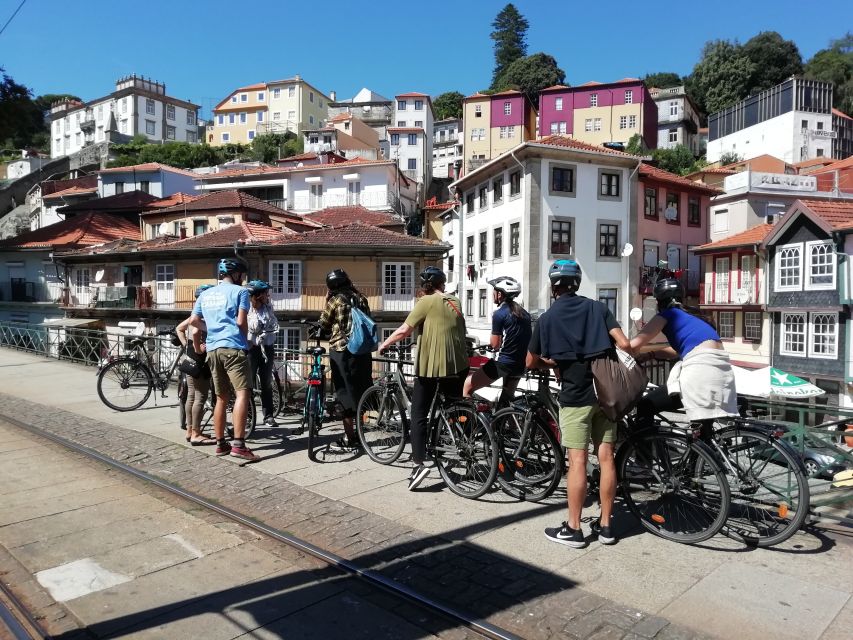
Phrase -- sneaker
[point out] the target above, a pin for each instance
(605, 534)
(566, 535)
(418, 474)
(346, 444)
(223, 449)
(270, 422)
(244, 453)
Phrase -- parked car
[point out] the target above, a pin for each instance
(820, 461)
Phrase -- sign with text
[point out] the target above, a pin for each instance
(782, 181)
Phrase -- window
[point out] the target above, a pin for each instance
(221, 119)
(607, 297)
(651, 199)
(313, 139)
(788, 267)
(82, 280)
(726, 325)
(413, 139)
(609, 185)
(261, 96)
(792, 342)
(231, 118)
(119, 187)
(478, 111)
(291, 115)
(289, 342)
(562, 180)
(507, 108)
(260, 116)
(514, 239)
(149, 106)
(497, 190)
(553, 128)
(199, 227)
(596, 124)
(291, 91)
(721, 220)
(561, 237)
(395, 138)
(226, 137)
(124, 105)
(243, 118)
(419, 105)
(502, 134)
(399, 279)
(401, 123)
(608, 240)
(276, 115)
(721, 280)
(623, 122)
(354, 192)
(819, 153)
(593, 100)
(629, 96)
(150, 127)
(820, 258)
(671, 211)
(694, 217)
(191, 118)
(823, 342)
(482, 304)
(145, 186)
(558, 104)
(285, 278)
(251, 134)
(673, 135)
(418, 123)
(469, 202)
(276, 93)
(170, 132)
(673, 108)
(469, 303)
(498, 243)
(484, 243)
(587, 124)
(484, 197)
(412, 164)
(244, 97)
(752, 326)
(632, 122)
(401, 105)
(747, 274)
(469, 249)
(804, 124)
(100, 112)
(234, 98)
(170, 112)
(311, 97)
(819, 126)
(515, 183)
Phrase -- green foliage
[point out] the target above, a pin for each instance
(294, 146)
(678, 160)
(43, 102)
(835, 65)
(730, 157)
(662, 80)
(636, 146)
(510, 31)
(269, 147)
(20, 119)
(175, 154)
(530, 75)
(448, 105)
(721, 77)
(774, 60)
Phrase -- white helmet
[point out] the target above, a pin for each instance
(506, 285)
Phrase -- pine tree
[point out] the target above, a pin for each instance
(510, 31)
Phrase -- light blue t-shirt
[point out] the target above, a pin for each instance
(218, 307)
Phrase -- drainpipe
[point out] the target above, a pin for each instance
(530, 302)
(633, 213)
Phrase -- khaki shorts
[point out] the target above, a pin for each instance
(229, 366)
(580, 425)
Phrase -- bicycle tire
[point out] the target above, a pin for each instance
(466, 456)
(277, 395)
(312, 397)
(251, 417)
(125, 375)
(673, 486)
(381, 424)
(770, 495)
(529, 471)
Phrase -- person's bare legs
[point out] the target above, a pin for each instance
(477, 380)
(607, 484)
(219, 416)
(576, 486)
(241, 409)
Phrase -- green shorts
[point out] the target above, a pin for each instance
(229, 369)
(580, 425)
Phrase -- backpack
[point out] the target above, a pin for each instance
(364, 335)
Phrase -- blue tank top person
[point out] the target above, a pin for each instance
(685, 332)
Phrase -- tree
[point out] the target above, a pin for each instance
(835, 65)
(721, 77)
(530, 75)
(448, 105)
(636, 146)
(20, 118)
(662, 80)
(678, 160)
(510, 31)
(730, 157)
(774, 60)
(44, 102)
(270, 147)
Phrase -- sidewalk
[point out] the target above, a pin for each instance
(802, 590)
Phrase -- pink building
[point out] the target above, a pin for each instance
(494, 124)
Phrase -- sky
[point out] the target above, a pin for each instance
(204, 50)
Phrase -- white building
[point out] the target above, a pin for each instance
(678, 119)
(159, 180)
(137, 106)
(447, 148)
(375, 110)
(791, 121)
(522, 211)
(411, 147)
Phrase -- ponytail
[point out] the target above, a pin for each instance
(516, 309)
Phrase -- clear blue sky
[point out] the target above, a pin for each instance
(204, 49)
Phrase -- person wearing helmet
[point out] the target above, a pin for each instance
(352, 374)
(197, 388)
(223, 312)
(263, 329)
(442, 361)
(511, 331)
(569, 336)
(703, 377)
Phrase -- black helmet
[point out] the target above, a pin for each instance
(667, 289)
(433, 276)
(337, 279)
(235, 264)
(565, 273)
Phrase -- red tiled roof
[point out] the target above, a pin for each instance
(412, 94)
(591, 83)
(440, 206)
(555, 86)
(87, 229)
(107, 247)
(357, 234)
(834, 166)
(132, 201)
(174, 199)
(230, 199)
(813, 162)
(251, 87)
(246, 232)
(149, 166)
(476, 95)
(508, 92)
(302, 156)
(354, 162)
(752, 236)
(241, 172)
(841, 114)
(405, 129)
(341, 117)
(564, 141)
(648, 171)
(337, 216)
(838, 215)
(71, 191)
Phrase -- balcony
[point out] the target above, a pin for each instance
(20, 290)
(730, 296)
(369, 200)
(276, 126)
(313, 298)
(281, 203)
(475, 163)
(87, 124)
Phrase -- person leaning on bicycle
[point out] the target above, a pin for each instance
(263, 329)
(223, 312)
(572, 333)
(197, 388)
(442, 360)
(511, 331)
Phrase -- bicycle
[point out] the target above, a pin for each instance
(460, 441)
(314, 407)
(210, 403)
(125, 383)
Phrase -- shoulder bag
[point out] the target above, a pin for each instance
(619, 383)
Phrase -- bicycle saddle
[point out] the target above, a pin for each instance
(138, 342)
(316, 351)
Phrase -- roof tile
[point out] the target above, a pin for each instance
(357, 234)
(246, 232)
(229, 199)
(752, 236)
(70, 191)
(338, 216)
(78, 231)
(149, 166)
(655, 173)
(571, 143)
(838, 214)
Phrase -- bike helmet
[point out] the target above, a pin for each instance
(565, 273)
(257, 286)
(228, 266)
(433, 276)
(507, 286)
(667, 289)
(202, 288)
(337, 279)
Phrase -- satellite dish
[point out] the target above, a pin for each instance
(636, 314)
(163, 228)
(99, 275)
(627, 249)
(742, 296)
(670, 213)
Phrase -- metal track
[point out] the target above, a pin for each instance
(17, 619)
(372, 577)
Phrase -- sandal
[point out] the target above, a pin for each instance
(202, 441)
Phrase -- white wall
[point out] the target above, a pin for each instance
(161, 183)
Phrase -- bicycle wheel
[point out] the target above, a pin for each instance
(277, 395)
(770, 491)
(125, 384)
(529, 466)
(674, 486)
(251, 417)
(465, 450)
(313, 419)
(381, 423)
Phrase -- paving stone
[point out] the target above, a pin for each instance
(649, 626)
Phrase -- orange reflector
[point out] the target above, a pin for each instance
(783, 510)
(658, 518)
(463, 419)
(501, 467)
(519, 464)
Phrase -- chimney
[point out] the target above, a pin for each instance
(297, 77)
(333, 95)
